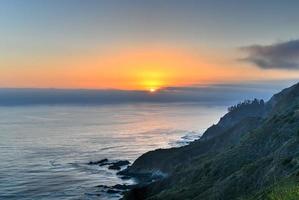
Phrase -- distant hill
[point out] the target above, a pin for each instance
(252, 153)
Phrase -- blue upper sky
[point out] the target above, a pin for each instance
(196, 22)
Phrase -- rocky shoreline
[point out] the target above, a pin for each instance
(142, 178)
(112, 165)
(122, 166)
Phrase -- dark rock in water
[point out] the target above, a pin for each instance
(113, 167)
(123, 187)
(98, 162)
(118, 164)
(111, 191)
(121, 163)
(104, 163)
(103, 186)
(125, 177)
(92, 194)
(118, 188)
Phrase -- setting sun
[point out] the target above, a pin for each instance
(152, 90)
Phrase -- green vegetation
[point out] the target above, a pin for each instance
(286, 190)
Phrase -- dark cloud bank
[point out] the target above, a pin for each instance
(222, 94)
(284, 55)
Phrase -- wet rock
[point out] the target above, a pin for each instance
(91, 194)
(99, 162)
(118, 164)
(125, 177)
(111, 191)
(104, 163)
(103, 186)
(121, 163)
(123, 187)
(113, 167)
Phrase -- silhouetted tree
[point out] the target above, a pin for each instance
(247, 104)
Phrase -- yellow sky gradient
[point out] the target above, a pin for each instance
(140, 68)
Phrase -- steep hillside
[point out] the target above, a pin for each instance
(254, 146)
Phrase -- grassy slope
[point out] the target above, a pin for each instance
(285, 190)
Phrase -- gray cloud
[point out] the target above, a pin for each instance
(284, 55)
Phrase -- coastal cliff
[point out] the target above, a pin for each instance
(252, 149)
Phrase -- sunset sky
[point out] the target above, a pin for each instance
(144, 45)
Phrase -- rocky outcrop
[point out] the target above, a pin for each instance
(113, 165)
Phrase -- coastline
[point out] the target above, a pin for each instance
(139, 180)
(252, 150)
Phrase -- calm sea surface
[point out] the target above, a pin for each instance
(44, 150)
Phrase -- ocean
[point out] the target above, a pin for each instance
(45, 150)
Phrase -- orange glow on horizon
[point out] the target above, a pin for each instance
(142, 68)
